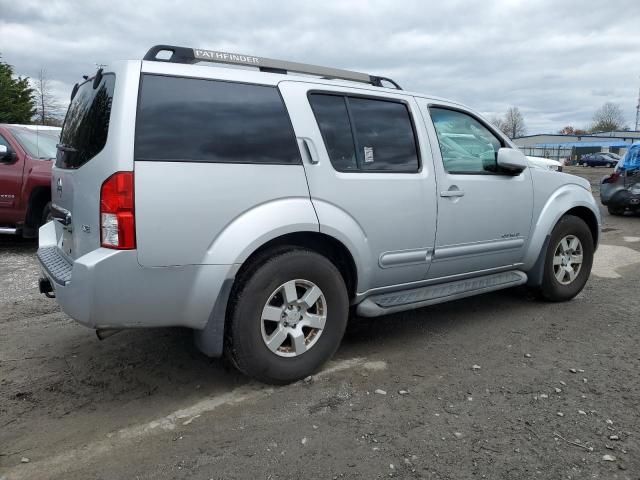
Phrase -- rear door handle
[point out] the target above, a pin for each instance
(309, 150)
(452, 193)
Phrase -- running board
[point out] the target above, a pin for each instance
(8, 231)
(385, 303)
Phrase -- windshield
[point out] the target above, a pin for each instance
(84, 133)
(37, 143)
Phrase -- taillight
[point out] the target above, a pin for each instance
(117, 216)
(613, 178)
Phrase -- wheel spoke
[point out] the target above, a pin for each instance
(560, 274)
(273, 314)
(572, 274)
(290, 293)
(557, 260)
(298, 341)
(311, 297)
(314, 321)
(576, 259)
(277, 338)
(564, 245)
(575, 243)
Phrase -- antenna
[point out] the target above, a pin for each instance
(638, 111)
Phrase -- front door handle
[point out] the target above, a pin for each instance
(452, 192)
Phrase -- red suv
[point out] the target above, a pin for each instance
(26, 154)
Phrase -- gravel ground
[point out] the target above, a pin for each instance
(496, 386)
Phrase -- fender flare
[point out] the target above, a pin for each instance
(563, 200)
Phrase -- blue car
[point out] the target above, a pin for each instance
(598, 160)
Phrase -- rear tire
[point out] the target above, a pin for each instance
(301, 337)
(568, 260)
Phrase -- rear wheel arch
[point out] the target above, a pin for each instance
(321, 243)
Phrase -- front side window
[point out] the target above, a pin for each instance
(364, 134)
(466, 145)
(187, 119)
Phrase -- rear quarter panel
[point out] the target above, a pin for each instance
(216, 213)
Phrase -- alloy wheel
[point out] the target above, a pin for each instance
(567, 259)
(293, 318)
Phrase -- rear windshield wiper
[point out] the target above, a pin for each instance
(66, 148)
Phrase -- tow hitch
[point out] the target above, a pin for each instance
(45, 287)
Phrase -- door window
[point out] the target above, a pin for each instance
(364, 134)
(466, 145)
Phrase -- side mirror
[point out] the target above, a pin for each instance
(511, 160)
(5, 154)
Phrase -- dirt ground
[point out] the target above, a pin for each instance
(499, 386)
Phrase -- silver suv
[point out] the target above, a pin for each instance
(258, 206)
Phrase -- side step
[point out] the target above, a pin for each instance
(385, 303)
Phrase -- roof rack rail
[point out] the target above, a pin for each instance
(194, 55)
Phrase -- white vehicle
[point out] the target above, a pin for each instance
(546, 163)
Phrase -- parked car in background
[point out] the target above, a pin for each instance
(26, 154)
(597, 160)
(612, 155)
(546, 163)
(620, 191)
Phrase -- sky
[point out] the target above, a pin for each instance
(557, 61)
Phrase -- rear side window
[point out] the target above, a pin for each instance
(185, 119)
(365, 134)
(333, 120)
(85, 129)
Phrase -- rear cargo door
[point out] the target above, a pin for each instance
(75, 182)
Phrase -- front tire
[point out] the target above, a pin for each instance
(287, 316)
(568, 260)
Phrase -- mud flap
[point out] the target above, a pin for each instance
(536, 273)
(210, 340)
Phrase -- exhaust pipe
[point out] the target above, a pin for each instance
(103, 333)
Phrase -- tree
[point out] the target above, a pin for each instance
(497, 122)
(607, 118)
(48, 108)
(514, 123)
(569, 130)
(16, 97)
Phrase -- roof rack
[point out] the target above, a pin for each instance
(195, 55)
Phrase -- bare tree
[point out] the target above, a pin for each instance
(48, 110)
(569, 130)
(497, 122)
(514, 123)
(607, 118)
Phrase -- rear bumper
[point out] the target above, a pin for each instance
(109, 289)
(623, 199)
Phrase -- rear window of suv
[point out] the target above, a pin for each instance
(195, 120)
(84, 133)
